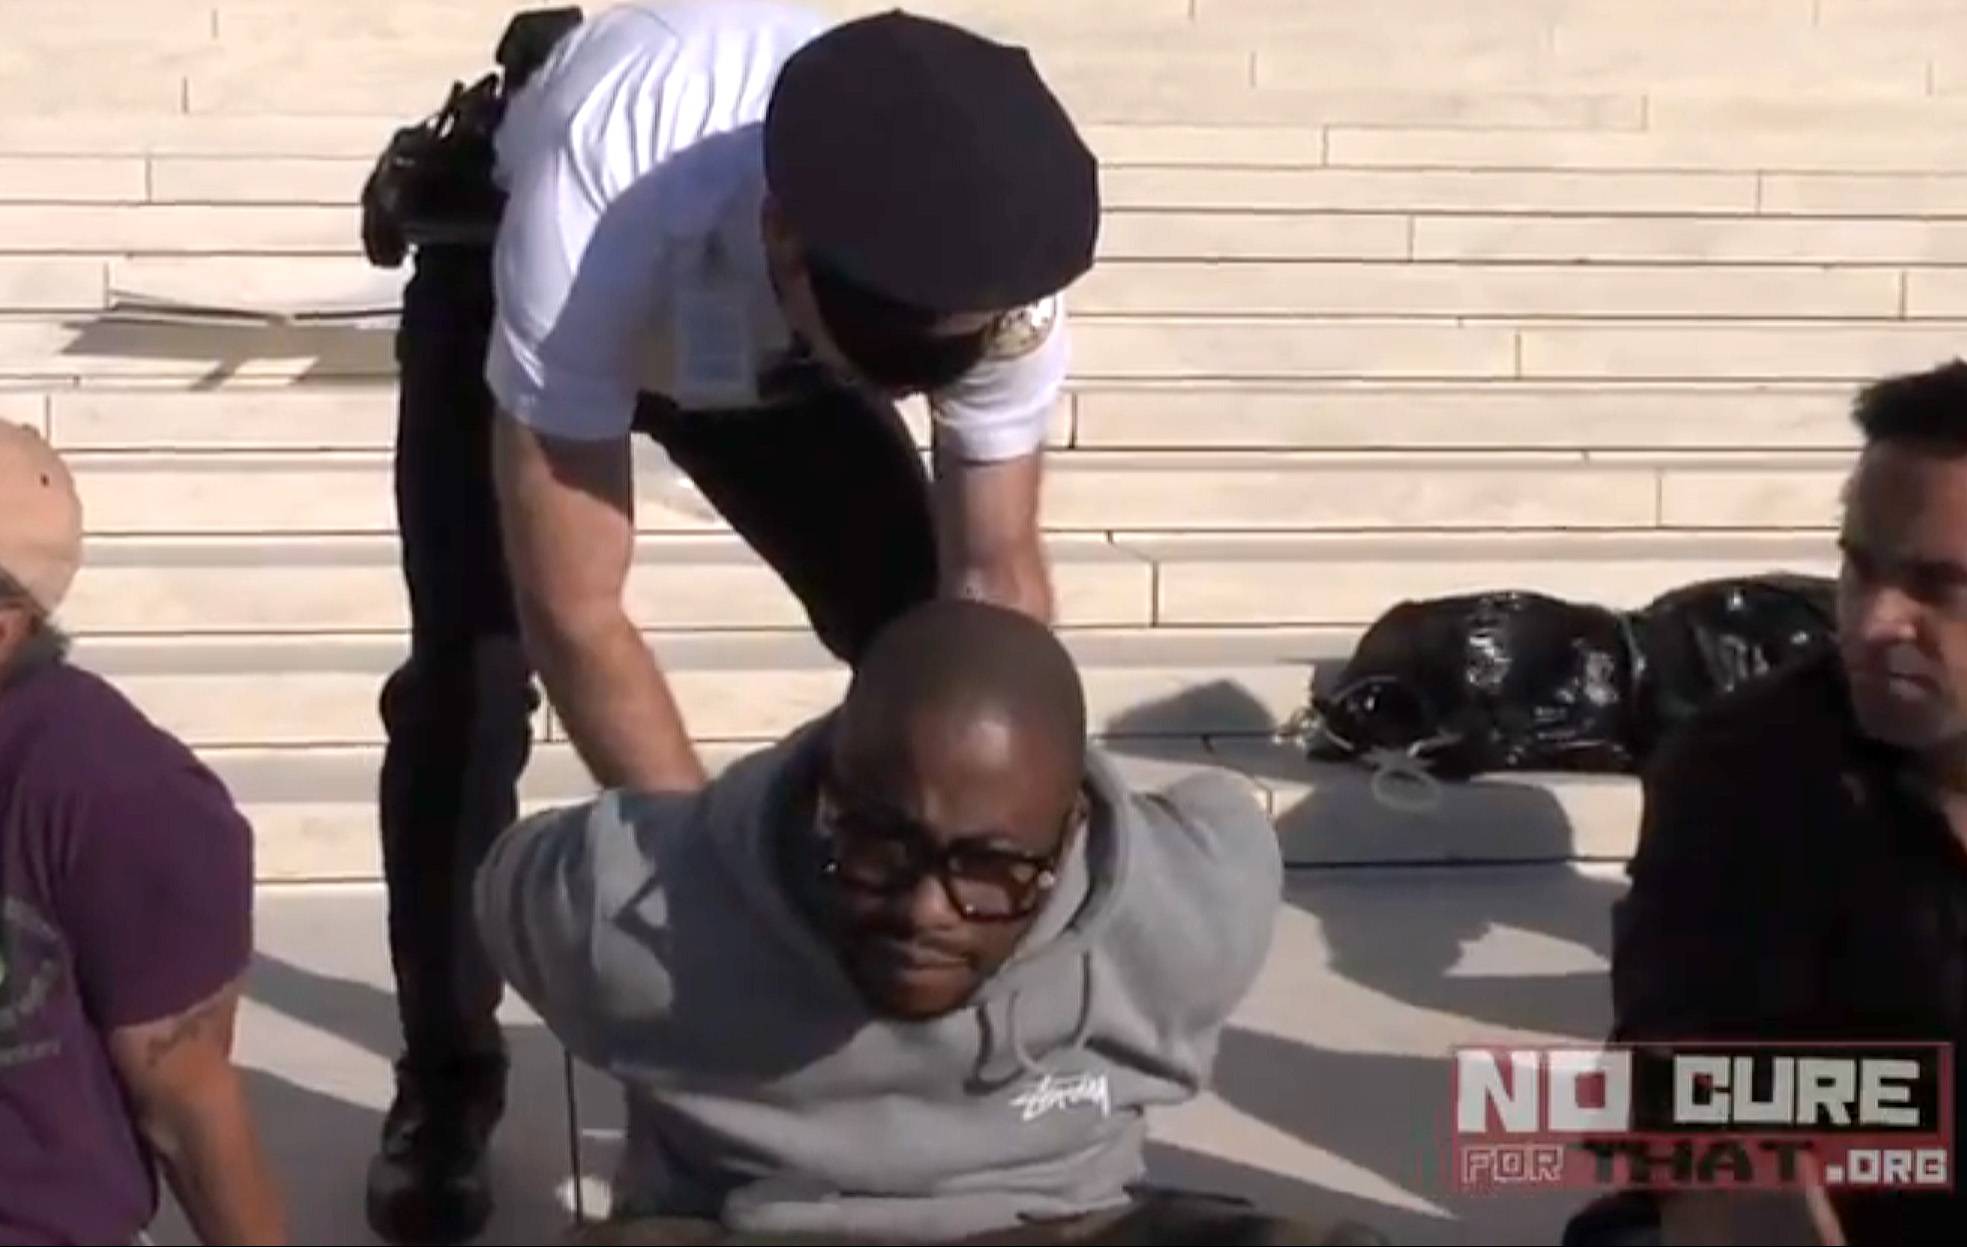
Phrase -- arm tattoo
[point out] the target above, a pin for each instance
(187, 1027)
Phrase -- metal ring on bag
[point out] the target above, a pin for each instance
(1405, 767)
(1389, 764)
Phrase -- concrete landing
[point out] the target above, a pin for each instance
(1332, 1088)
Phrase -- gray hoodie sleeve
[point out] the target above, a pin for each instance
(1204, 900)
(553, 902)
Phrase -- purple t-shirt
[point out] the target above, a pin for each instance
(125, 897)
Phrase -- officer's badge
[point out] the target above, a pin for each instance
(1019, 332)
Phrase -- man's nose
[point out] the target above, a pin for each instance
(927, 905)
(1887, 614)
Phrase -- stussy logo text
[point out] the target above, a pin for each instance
(1051, 1092)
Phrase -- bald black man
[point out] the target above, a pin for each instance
(916, 973)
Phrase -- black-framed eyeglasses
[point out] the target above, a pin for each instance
(887, 856)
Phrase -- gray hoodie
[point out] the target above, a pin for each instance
(654, 936)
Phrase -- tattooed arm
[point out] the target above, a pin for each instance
(191, 1106)
(156, 903)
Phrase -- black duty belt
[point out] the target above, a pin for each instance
(434, 183)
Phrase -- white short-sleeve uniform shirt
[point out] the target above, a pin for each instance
(630, 256)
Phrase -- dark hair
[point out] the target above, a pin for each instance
(1929, 408)
(46, 646)
(14, 593)
(890, 344)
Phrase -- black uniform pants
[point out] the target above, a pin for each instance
(827, 487)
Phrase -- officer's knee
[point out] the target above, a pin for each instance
(478, 689)
(843, 638)
(848, 626)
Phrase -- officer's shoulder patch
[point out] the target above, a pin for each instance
(1023, 330)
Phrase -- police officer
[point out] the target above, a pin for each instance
(743, 231)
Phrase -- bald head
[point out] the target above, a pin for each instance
(977, 685)
(963, 735)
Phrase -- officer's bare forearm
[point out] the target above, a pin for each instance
(568, 515)
(988, 533)
(613, 701)
(1020, 580)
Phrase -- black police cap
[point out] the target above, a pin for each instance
(932, 165)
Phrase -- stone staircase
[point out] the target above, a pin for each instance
(1566, 295)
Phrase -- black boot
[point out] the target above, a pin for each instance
(429, 1184)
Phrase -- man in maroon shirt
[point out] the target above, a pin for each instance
(125, 927)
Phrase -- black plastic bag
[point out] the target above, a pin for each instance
(1519, 681)
(1485, 682)
(1707, 639)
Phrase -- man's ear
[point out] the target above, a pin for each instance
(1082, 813)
